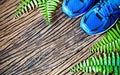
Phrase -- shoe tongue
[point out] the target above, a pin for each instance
(94, 21)
(75, 5)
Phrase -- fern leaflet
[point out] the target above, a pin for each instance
(104, 64)
(26, 6)
(109, 42)
(46, 7)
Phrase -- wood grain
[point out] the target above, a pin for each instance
(28, 46)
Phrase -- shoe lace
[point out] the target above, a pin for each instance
(107, 8)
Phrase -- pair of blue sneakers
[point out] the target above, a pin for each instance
(99, 15)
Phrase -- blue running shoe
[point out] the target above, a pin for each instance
(75, 8)
(101, 17)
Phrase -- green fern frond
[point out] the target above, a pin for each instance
(109, 42)
(47, 8)
(26, 6)
(104, 64)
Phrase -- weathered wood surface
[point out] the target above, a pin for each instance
(28, 46)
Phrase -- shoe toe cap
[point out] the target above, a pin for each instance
(67, 11)
(74, 9)
(85, 27)
(91, 24)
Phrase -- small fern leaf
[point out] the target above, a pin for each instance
(26, 6)
(109, 42)
(104, 64)
(47, 8)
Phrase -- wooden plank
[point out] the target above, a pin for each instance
(28, 46)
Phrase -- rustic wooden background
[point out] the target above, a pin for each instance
(28, 46)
